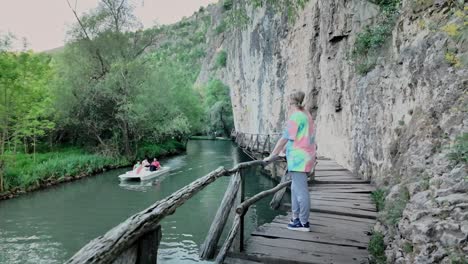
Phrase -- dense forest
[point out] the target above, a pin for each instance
(114, 93)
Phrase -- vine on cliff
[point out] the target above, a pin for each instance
(374, 36)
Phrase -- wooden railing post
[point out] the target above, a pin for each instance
(258, 142)
(148, 247)
(239, 239)
(276, 201)
(240, 211)
(208, 248)
(265, 143)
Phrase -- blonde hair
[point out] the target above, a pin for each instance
(296, 98)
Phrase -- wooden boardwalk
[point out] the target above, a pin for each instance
(342, 216)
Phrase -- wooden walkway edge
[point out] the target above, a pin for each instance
(341, 219)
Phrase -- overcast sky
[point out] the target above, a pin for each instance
(44, 22)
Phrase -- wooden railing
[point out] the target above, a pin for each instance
(255, 143)
(136, 240)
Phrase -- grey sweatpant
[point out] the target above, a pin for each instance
(300, 198)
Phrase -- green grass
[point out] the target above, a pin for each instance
(378, 197)
(377, 248)
(21, 171)
(459, 153)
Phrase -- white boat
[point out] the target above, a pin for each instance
(144, 174)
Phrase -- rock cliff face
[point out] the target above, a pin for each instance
(392, 125)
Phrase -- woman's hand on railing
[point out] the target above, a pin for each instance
(270, 159)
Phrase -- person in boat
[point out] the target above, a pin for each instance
(136, 165)
(145, 163)
(155, 165)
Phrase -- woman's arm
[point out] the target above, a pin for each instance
(278, 148)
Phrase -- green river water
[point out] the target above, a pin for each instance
(50, 226)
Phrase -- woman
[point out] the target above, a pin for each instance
(155, 165)
(299, 140)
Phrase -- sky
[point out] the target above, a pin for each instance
(44, 22)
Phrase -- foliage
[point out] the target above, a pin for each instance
(218, 107)
(221, 59)
(452, 59)
(25, 100)
(394, 211)
(227, 5)
(378, 197)
(148, 150)
(221, 27)
(459, 153)
(288, 7)
(122, 87)
(372, 38)
(407, 247)
(236, 11)
(21, 171)
(377, 248)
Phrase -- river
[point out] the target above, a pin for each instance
(49, 226)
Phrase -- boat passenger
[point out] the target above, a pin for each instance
(155, 165)
(136, 165)
(145, 163)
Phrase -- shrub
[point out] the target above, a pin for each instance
(373, 37)
(407, 247)
(227, 5)
(394, 210)
(378, 197)
(459, 153)
(221, 59)
(221, 27)
(377, 248)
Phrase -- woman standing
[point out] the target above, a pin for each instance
(299, 140)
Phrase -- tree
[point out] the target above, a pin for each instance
(219, 108)
(101, 65)
(25, 98)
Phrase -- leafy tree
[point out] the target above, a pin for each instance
(218, 105)
(25, 99)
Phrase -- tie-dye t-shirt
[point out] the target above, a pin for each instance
(300, 149)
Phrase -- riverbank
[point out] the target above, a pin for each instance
(25, 173)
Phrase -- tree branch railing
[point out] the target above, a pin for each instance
(136, 240)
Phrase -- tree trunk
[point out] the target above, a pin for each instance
(125, 139)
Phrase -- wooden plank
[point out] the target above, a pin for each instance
(339, 211)
(344, 186)
(289, 252)
(234, 260)
(322, 180)
(335, 173)
(343, 203)
(329, 219)
(268, 230)
(344, 211)
(362, 196)
(357, 232)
